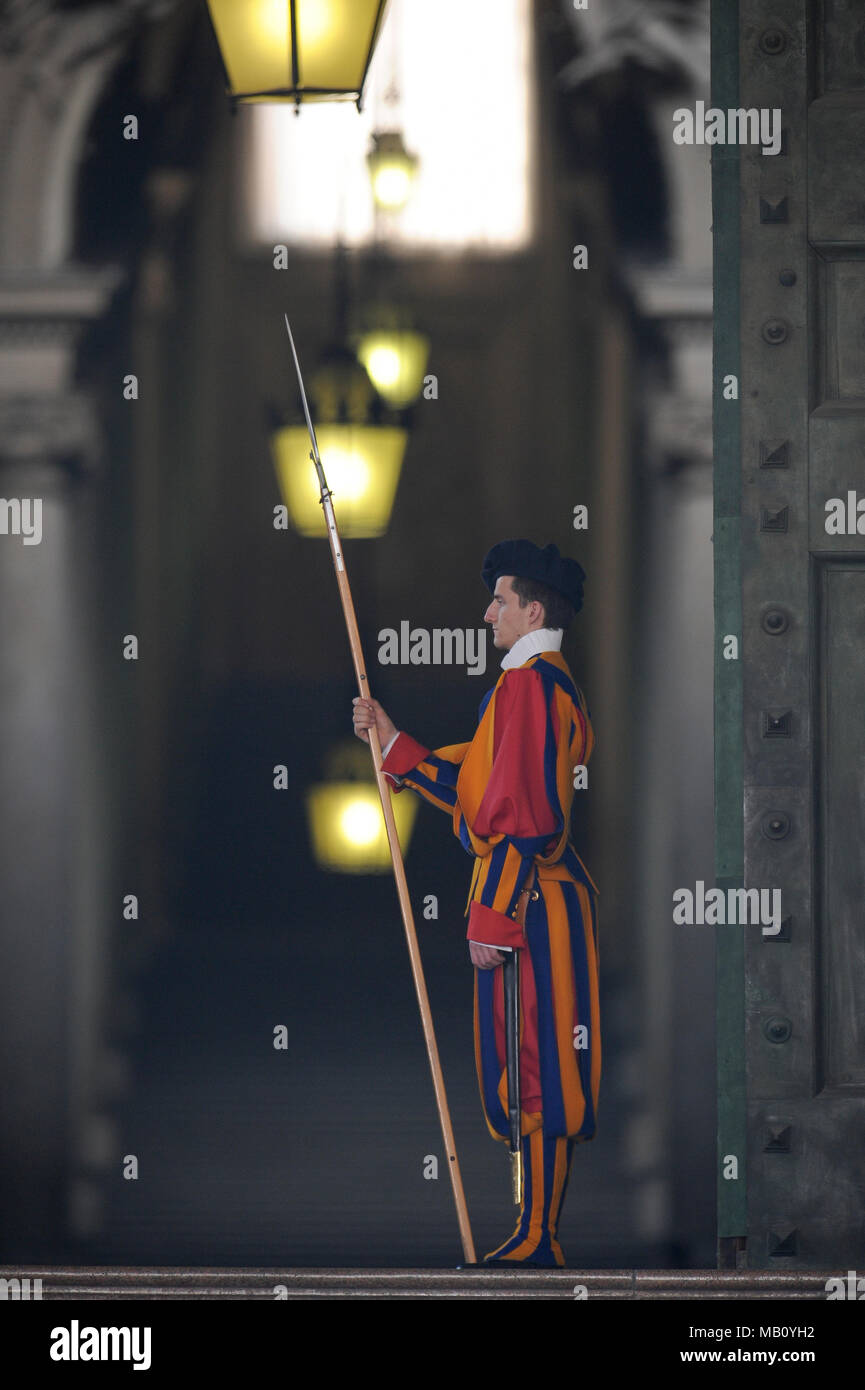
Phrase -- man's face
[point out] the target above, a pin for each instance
(509, 621)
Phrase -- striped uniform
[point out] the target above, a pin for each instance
(509, 792)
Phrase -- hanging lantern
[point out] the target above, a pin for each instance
(361, 447)
(296, 50)
(345, 819)
(392, 170)
(362, 464)
(394, 354)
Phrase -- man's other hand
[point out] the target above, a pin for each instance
(369, 712)
(484, 957)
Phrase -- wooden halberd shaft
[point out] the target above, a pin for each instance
(392, 836)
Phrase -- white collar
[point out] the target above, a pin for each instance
(540, 639)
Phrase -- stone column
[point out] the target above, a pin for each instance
(51, 828)
(56, 835)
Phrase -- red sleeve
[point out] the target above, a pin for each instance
(493, 928)
(515, 802)
(405, 755)
(518, 812)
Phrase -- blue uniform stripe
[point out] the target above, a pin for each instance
(490, 1069)
(550, 770)
(485, 701)
(572, 863)
(496, 858)
(446, 772)
(465, 838)
(584, 1003)
(421, 783)
(552, 675)
(538, 941)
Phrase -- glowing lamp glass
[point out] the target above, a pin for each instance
(362, 464)
(335, 43)
(396, 362)
(347, 827)
(391, 170)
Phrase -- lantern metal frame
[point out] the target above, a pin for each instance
(296, 91)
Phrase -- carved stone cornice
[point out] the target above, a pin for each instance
(678, 398)
(43, 415)
(73, 294)
(58, 428)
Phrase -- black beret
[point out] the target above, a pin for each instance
(525, 560)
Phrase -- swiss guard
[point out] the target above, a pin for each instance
(532, 916)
